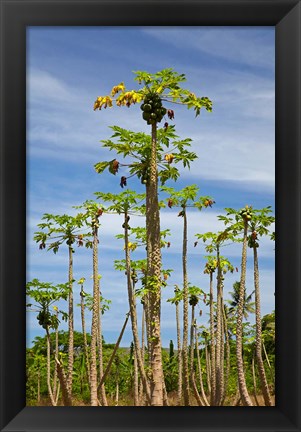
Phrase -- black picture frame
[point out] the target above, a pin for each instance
(16, 15)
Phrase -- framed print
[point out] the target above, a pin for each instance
(40, 157)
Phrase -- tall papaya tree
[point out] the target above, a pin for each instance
(214, 242)
(92, 212)
(186, 198)
(259, 224)
(44, 295)
(155, 89)
(136, 239)
(250, 224)
(127, 204)
(57, 230)
(236, 220)
(210, 267)
(194, 294)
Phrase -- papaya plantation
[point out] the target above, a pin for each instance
(223, 349)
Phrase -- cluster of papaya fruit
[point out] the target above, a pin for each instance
(246, 213)
(44, 318)
(153, 111)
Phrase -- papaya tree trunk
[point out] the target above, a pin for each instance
(55, 379)
(142, 352)
(70, 325)
(67, 399)
(258, 341)
(136, 381)
(83, 319)
(227, 342)
(108, 368)
(239, 327)
(208, 366)
(180, 367)
(52, 399)
(222, 383)
(199, 366)
(103, 396)
(198, 398)
(212, 346)
(185, 314)
(219, 336)
(254, 381)
(133, 312)
(154, 274)
(95, 317)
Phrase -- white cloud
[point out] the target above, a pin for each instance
(239, 45)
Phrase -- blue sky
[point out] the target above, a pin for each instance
(68, 67)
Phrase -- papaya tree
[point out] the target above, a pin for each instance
(57, 230)
(155, 89)
(92, 213)
(185, 198)
(253, 223)
(210, 268)
(235, 221)
(214, 242)
(259, 224)
(194, 294)
(127, 204)
(44, 295)
(178, 297)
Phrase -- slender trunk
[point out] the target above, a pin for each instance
(192, 332)
(239, 327)
(199, 366)
(82, 309)
(142, 353)
(185, 314)
(154, 274)
(219, 335)
(108, 368)
(95, 316)
(70, 326)
(227, 356)
(136, 381)
(222, 360)
(212, 350)
(258, 342)
(55, 379)
(180, 367)
(57, 393)
(268, 362)
(67, 399)
(133, 312)
(254, 381)
(103, 396)
(195, 391)
(48, 369)
(148, 328)
(208, 367)
(192, 373)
